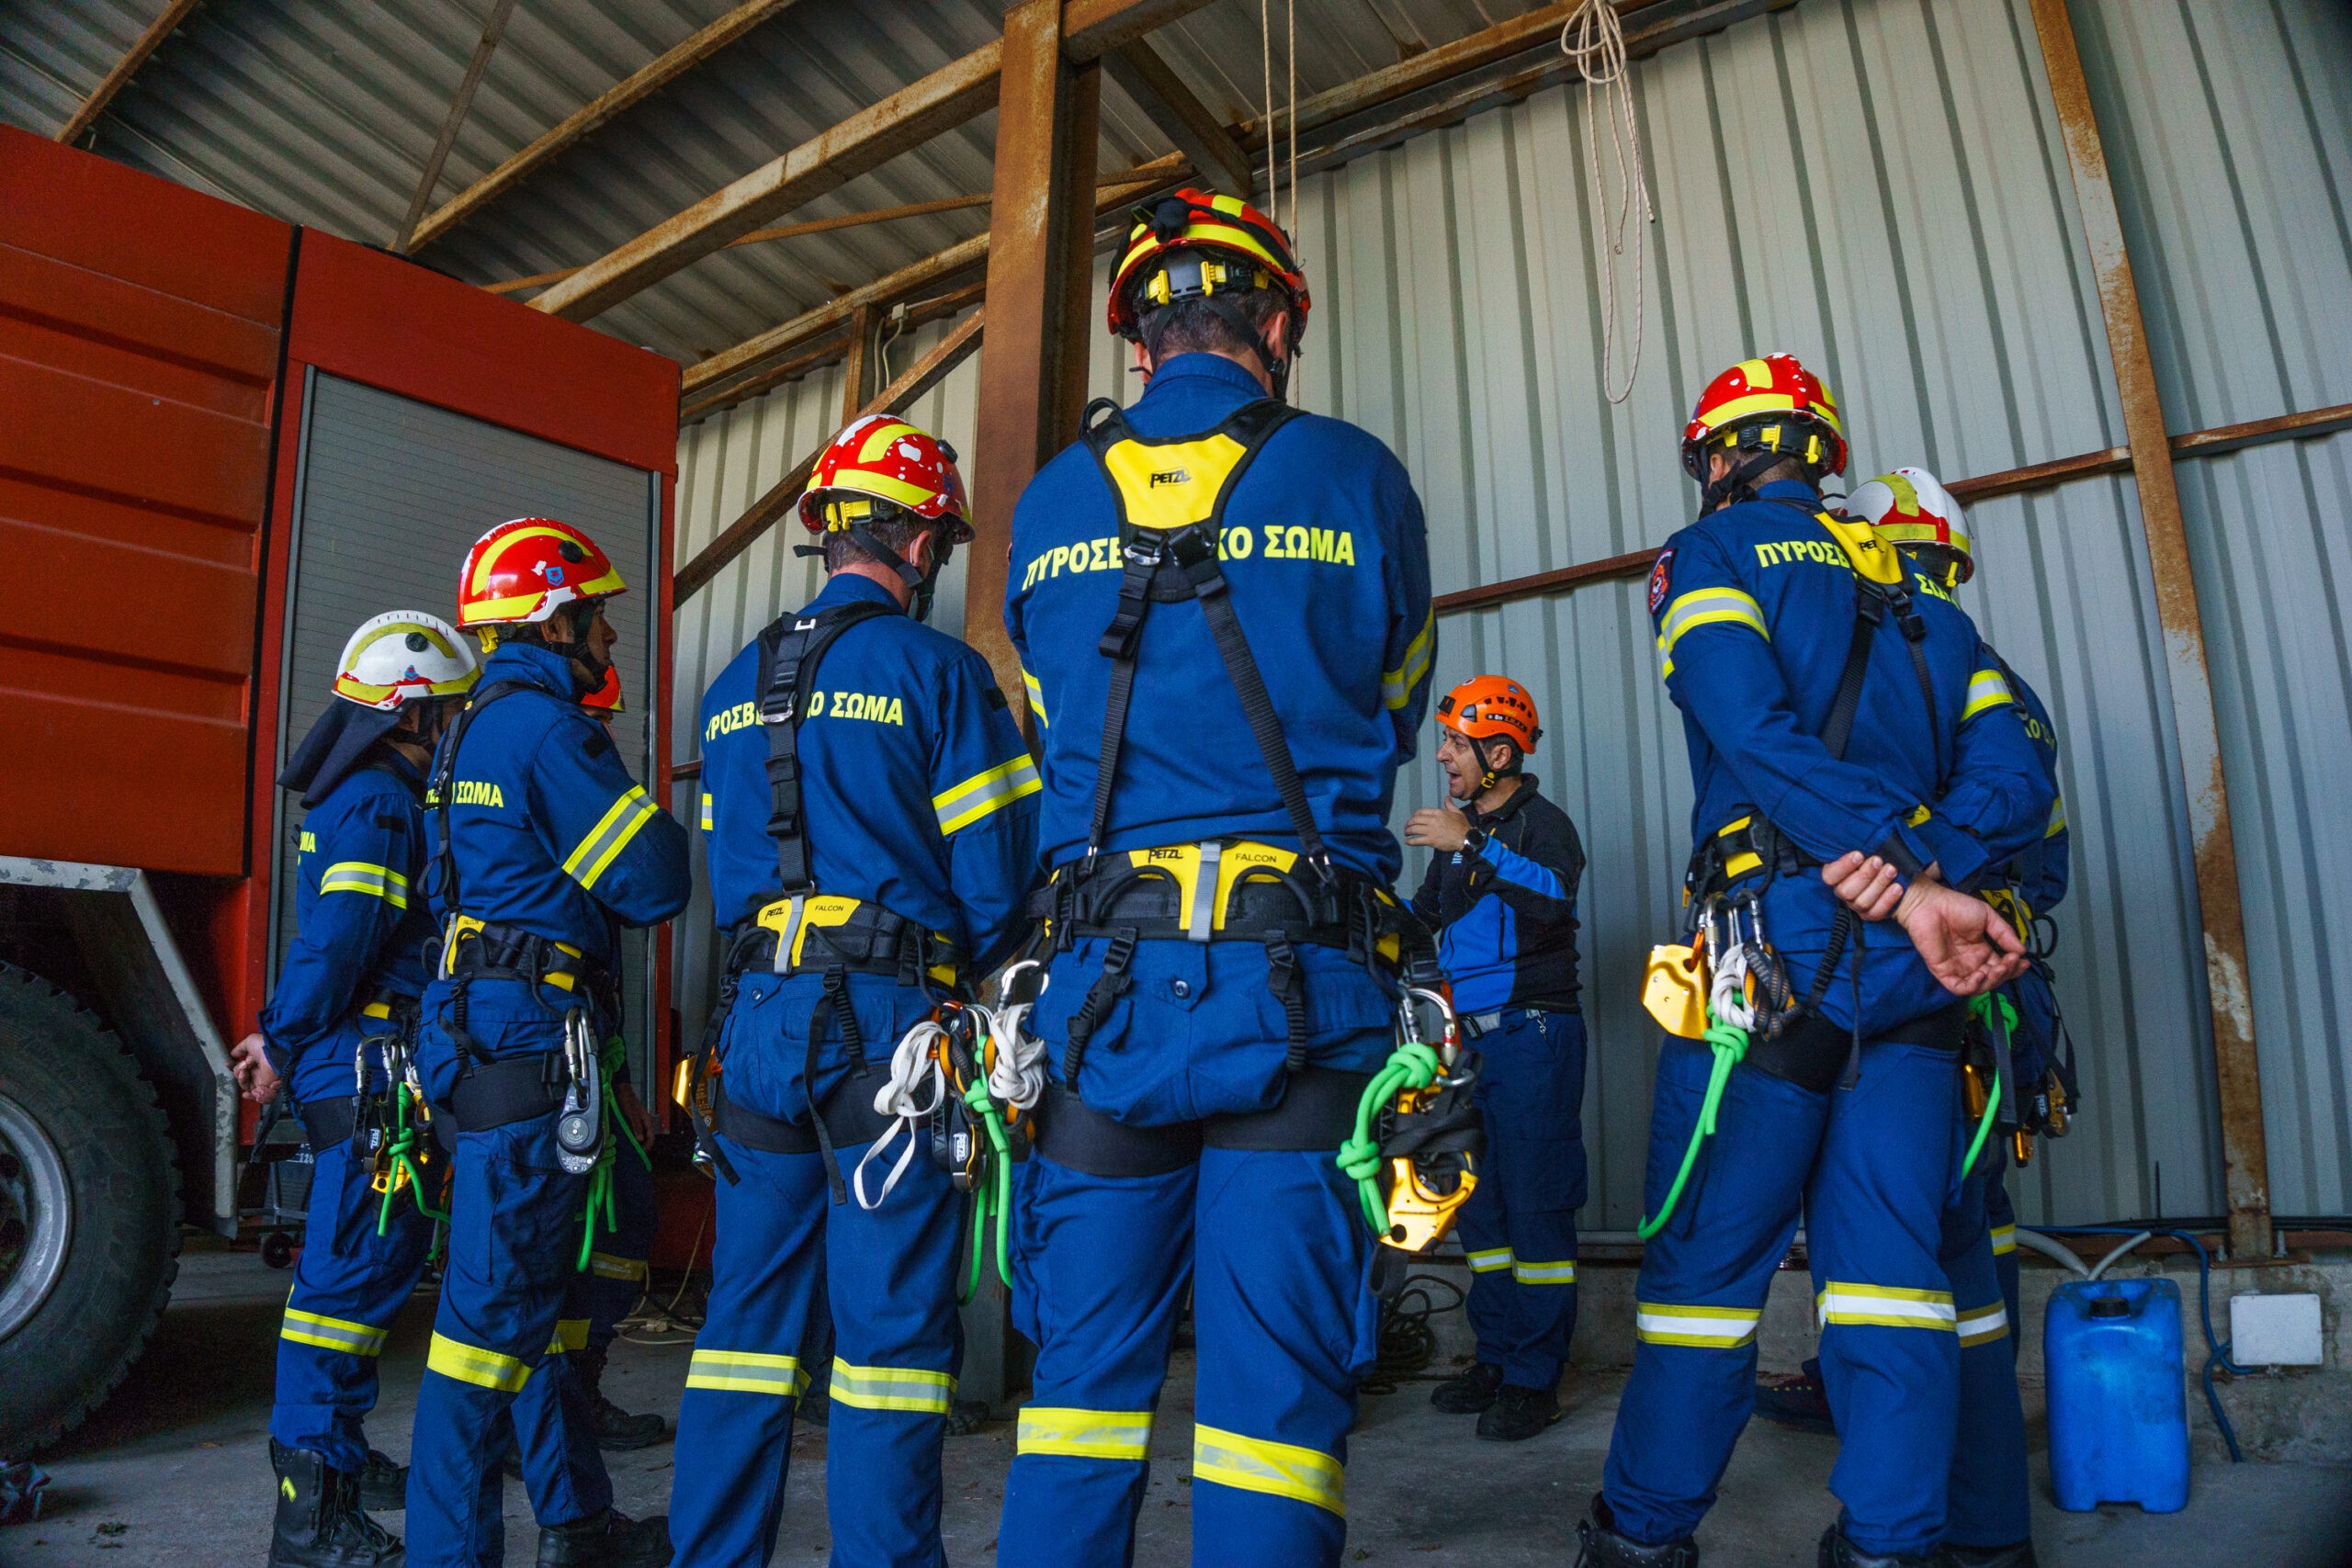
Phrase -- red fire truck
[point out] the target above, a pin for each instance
(224, 442)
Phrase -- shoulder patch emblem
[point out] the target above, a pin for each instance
(1661, 578)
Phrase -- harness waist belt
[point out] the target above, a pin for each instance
(826, 932)
(1317, 1114)
(1222, 890)
(1812, 1052)
(488, 949)
(490, 1095)
(327, 1122)
(850, 1118)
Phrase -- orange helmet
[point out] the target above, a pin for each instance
(1774, 404)
(881, 458)
(527, 569)
(1910, 507)
(607, 698)
(1486, 707)
(1219, 231)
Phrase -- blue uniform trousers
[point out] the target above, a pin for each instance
(1874, 1168)
(616, 1278)
(1520, 1225)
(348, 1285)
(783, 1249)
(1988, 1502)
(513, 1276)
(1276, 1253)
(2001, 1224)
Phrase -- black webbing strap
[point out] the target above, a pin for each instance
(1073, 1134)
(1112, 982)
(789, 651)
(1317, 1114)
(441, 883)
(327, 1122)
(1146, 554)
(832, 1002)
(1287, 980)
(490, 1095)
(848, 1117)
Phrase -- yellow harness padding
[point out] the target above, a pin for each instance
(1172, 486)
(461, 927)
(1235, 861)
(1872, 558)
(826, 910)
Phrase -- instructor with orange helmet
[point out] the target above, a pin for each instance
(1502, 892)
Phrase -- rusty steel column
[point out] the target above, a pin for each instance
(1033, 362)
(854, 374)
(2237, 1068)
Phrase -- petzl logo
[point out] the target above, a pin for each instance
(1169, 477)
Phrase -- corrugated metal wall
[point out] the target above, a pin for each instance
(1931, 262)
(726, 463)
(2228, 132)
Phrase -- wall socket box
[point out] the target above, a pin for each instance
(2274, 1331)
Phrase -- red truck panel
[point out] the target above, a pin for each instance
(139, 348)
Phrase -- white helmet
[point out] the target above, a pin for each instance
(1910, 507)
(404, 656)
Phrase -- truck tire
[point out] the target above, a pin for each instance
(89, 1213)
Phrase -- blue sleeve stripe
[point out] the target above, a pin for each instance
(1514, 867)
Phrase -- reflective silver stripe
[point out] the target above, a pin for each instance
(331, 1333)
(746, 1371)
(1708, 606)
(1397, 685)
(1697, 1328)
(1986, 689)
(982, 792)
(359, 876)
(892, 1388)
(1561, 1273)
(1979, 1324)
(1084, 1434)
(1883, 1306)
(611, 835)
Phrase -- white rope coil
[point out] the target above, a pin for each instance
(914, 1065)
(1595, 40)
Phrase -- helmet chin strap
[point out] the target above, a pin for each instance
(920, 585)
(1738, 482)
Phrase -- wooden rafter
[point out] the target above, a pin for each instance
(116, 80)
(957, 92)
(493, 28)
(598, 111)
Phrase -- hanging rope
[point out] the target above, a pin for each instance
(1292, 5)
(1266, 51)
(1595, 40)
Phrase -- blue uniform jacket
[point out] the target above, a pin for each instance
(1754, 607)
(360, 925)
(919, 795)
(1325, 550)
(1508, 915)
(2043, 869)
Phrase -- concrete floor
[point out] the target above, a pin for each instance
(174, 1471)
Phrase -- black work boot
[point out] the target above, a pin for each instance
(609, 1539)
(1799, 1401)
(1467, 1394)
(383, 1486)
(1599, 1546)
(616, 1428)
(2020, 1555)
(1519, 1414)
(1836, 1551)
(319, 1524)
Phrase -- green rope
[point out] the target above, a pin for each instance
(993, 1196)
(1729, 1042)
(601, 1192)
(1982, 1007)
(403, 1153)
(1410, 1066)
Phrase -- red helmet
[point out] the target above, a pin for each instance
(525, 570)
(1227, 230)
(607, 698)
(1486, 707)
(882, 457)
(1772, 404)
(1910, 508)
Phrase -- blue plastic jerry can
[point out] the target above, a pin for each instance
(2118, 1406)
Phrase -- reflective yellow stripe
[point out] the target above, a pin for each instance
(359, 876)
(982, 792)
(1986, 689)
(2005, 1239)
(1397, 685)
(1561, 1273)
(746, 1371)
(707, 824)
(570, 1334)
(610, 837)
(892, 1388)
(1036, 696)
(331, 1333)
(1282, 1470)
(1493, 1260)
(1701, 1328)
(470, 1363)
(1883, 1306)
(2057, 818)
(1084, 1434)
(1980, 1325)
(1705, 607)
(606, 1267)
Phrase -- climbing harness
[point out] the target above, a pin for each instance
(392, 1125)
(1995, 1019)
(966, 1081)
(1417, 1126)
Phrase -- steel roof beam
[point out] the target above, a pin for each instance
(492, 28)
(116, 80)
(1182, 118)
(957, 93)
(599, 110)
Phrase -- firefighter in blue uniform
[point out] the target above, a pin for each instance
(1220, 870)
(1503, 889)
(348, 983)
(1856, 757)
(869, 816)
(543, 845)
